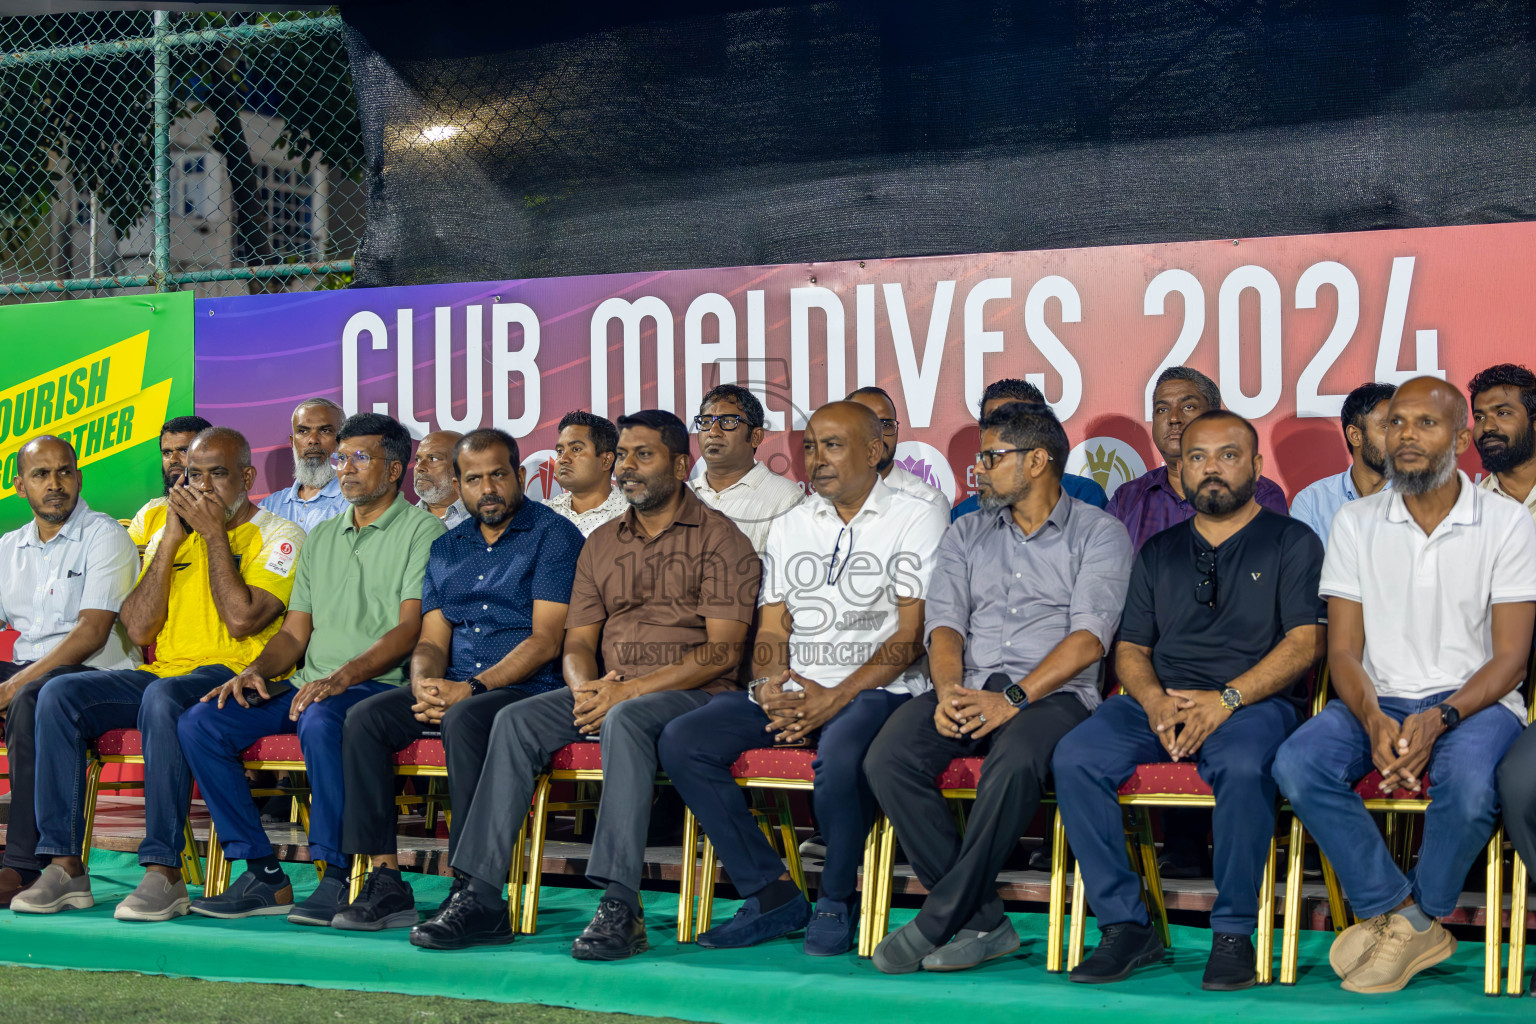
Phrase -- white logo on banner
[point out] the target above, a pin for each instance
(541, 484)
(1107, 460)
(929, 465)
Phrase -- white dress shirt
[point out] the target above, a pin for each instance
(885, 552)
(903, 480)
(1428, 600)
(1491, 483)
(753, 502)
(91, 563)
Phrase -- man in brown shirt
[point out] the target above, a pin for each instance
(659, 612)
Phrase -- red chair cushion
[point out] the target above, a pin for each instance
(284, 747)
(585, 756)
(962, 773)
(1369, 788)
(120, 743)
(1173, 778)
(425, 753)
(775, 763)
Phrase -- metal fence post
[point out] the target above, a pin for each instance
(162, 127)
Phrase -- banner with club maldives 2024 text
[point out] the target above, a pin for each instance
(104, 374)
(1286, 326)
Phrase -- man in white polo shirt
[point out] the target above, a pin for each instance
(839, 648)
(63, 577)
(729, 478)
(1431, 591)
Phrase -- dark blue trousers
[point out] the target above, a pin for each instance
(72, 710)
(1096, 758)
(213, 737)
(698, 749)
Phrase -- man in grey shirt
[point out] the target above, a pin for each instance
(1023, 603)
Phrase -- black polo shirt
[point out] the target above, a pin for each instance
(1267, 578)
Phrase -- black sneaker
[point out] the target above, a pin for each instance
(1231, 966)
(249, 896)
(385, 902)
(616, 933)
(463, 922)
(321, 906)
(458, 886)
(1122, 948)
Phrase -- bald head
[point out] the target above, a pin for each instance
(1442, 395)
(46, 446)
(434, 478)
(48, 477)
(843, 452)
(219, 463)
(1426, 431)
(878, 402)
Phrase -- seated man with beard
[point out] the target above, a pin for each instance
(437, 487)
(316, 493)
(175, 438)
(1222, 622)
(493, 610)
(1430, 589)
(1364, 418)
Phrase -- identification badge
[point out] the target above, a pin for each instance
(281, 562)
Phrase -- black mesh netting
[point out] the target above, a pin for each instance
(505, 142)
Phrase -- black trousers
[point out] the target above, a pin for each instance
(1517, 793)
(21, 757)
(382, 725)
(960, 875)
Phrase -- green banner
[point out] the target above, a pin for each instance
(103, 374)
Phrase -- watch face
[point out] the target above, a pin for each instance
(1231, 699)
(1015, 694)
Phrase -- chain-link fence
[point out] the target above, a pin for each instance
(152, 150)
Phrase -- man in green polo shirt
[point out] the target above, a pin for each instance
(353, 619)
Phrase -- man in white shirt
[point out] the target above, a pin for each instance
(1364, 418)
(315, 495)
(1431, 591)
(877, 401)
(437, 489)
(729, 478)
(1504, 430)
(839, 648)
(63, 577)
(584, 456)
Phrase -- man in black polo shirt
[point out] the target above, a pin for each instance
(1221, 623)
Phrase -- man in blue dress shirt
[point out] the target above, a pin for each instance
(315, 495)
(1364, 419)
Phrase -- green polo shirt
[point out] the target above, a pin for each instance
(352, 582)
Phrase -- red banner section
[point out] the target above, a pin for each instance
(1286, 327)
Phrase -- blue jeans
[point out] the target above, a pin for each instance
(698, 749)
(1317, 770)
(1095, 760)
(213, 738)
(72, 710)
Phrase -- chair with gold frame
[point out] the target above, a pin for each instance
(276, 753)
(126, 746)
(1519, 879)
(423, 758)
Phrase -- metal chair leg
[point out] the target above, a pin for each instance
(1265, 951)
(1153, 878)
(191, 863)
(1337, 910)
(885, 884)
(868, 884)
(515, 876)
(1518, 893)
(92, 789)
(1290, 935)
(535, 874)
(706, 891)
(1079, 921)
(1493, 917)
(360, 870)
(1056, 920)
(687, 885)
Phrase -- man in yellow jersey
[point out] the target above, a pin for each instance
(175, 439)
(216, 578)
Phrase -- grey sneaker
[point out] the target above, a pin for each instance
(156, 899)
(54, 891)
(971, 948)
(902, 951)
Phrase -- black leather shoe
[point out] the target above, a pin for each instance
(616, 933)
(459, 882)
(464, 922)
(1231, 966)
(1122, 948)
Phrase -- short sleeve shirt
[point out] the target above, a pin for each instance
(149, 518)
(89, 564)
(885, 555)
(612, 507)
(754, 502)
(1428, 601)
(1015, 596)
(652, 594)
(486, 591)
(1266, 584)
(266, 549)
(307, 513)
(352, 582)
(1149, 505)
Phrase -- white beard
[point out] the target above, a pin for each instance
(309, 474)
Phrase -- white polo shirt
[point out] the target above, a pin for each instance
(753, 502)
(837, 627)
(90, 563)
(1428, 600)
(1491, 483)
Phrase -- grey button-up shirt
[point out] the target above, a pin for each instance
(1014, 597)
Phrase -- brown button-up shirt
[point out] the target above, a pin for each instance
(652, 594)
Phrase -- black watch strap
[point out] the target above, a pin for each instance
(1449, 716)
(476, 687)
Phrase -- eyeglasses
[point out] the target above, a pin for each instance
(835, 567)
(728, 422)
(889, 426)
(358, 459)
(989, 458)
(1205, 590)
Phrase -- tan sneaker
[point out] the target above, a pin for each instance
(1399, 954)
(156, 899)
(54, 891)
(1354, 944)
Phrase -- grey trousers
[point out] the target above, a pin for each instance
(523, 738)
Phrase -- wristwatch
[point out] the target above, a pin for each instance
(1231, 698)
(1016, 696)
(476, 687)
(1449, 717)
